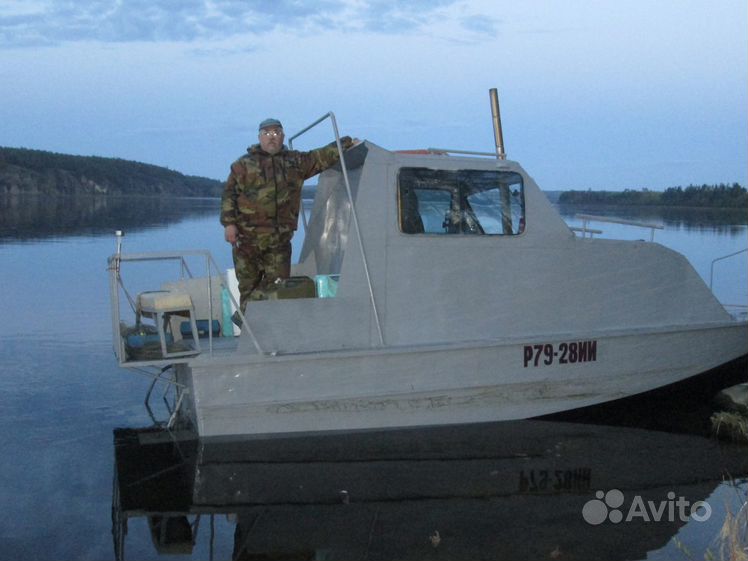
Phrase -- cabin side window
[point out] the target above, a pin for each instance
(435, 201)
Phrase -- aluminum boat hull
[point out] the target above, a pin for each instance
(443, 385)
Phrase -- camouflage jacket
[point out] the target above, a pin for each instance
(263, 191)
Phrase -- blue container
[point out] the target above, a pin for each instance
(327, 285)
(202, 328)
(228, 325)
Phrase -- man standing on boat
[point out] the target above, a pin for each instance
(260, 206)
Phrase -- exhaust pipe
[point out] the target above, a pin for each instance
(506, 202)
(496, 115)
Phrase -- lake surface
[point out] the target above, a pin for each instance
(63, 396)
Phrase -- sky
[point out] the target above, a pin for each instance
(594, 94)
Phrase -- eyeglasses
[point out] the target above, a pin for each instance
(275, 132)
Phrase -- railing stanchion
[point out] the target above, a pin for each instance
(585, 218)
(354, 214)
(711, 269)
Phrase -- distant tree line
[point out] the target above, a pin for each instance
(24, 171)
(709, 196)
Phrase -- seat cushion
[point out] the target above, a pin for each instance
(163, 301)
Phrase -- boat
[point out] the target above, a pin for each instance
(514, 489)
(449, 290)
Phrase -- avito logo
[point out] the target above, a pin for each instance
(609, 506)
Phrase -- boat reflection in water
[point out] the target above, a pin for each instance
(516, 489)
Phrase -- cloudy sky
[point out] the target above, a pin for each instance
(594, 93)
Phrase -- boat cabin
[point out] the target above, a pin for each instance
(440, 248)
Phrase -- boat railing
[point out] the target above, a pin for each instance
(584, 231)
(714, 261)
(586, 218)
(738, 311)
(445, 151)
(117, 285)
(354, 214)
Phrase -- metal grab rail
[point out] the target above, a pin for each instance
(444, 151)
(594, 218)
(354, 214)
(585, 230)
(711, 270)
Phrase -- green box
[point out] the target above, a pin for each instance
(293, 287)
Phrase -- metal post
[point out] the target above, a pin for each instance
(210, 305)
(506, 214)
(114, 282)
(497, 132)
(354, 215)
(120, 234)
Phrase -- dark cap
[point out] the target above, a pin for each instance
(270, 123)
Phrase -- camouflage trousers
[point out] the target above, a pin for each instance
(259, 260)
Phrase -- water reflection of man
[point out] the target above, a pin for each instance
(260, 206)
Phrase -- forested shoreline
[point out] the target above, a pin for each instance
(38, 172)
(700, 196)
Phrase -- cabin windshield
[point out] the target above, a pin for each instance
(437, 201)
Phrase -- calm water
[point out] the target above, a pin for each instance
(63, 395)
